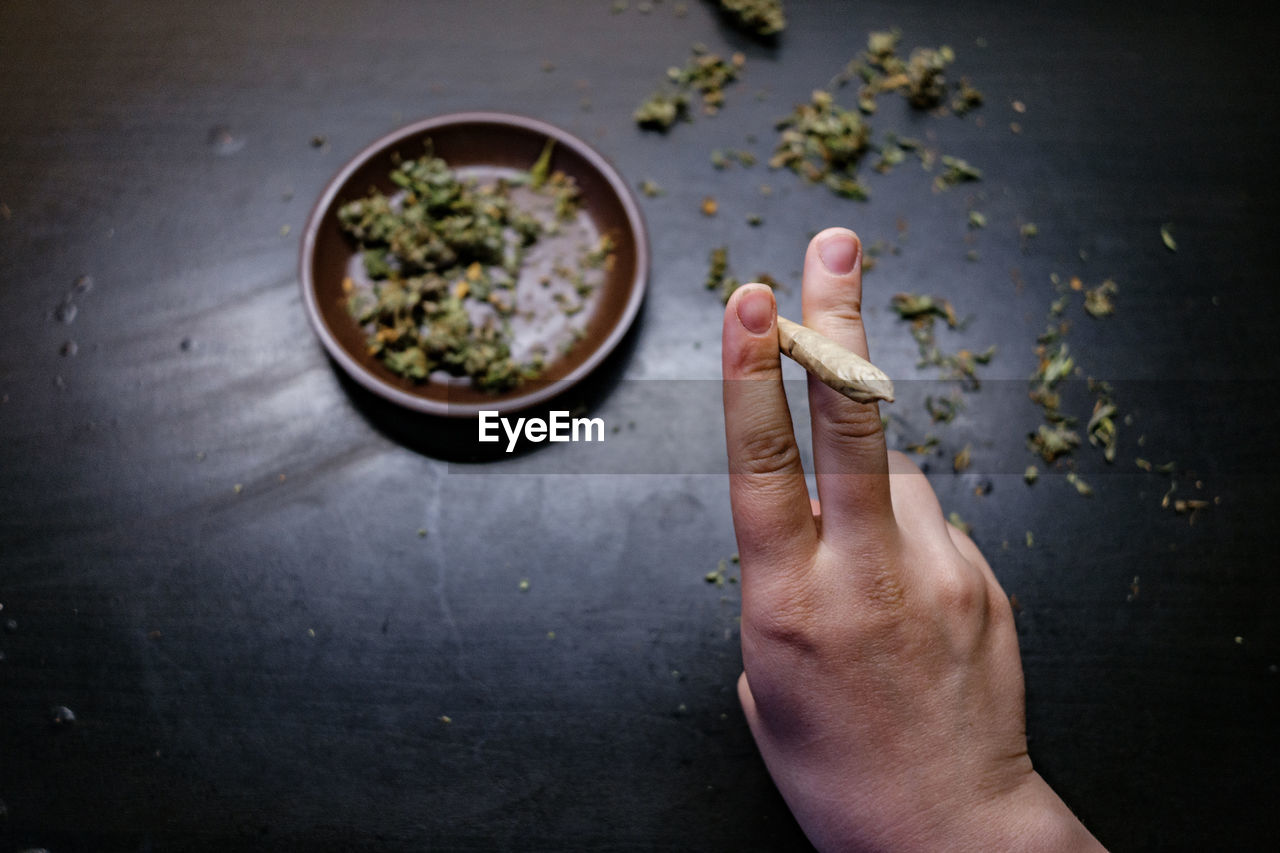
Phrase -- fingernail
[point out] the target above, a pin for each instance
(755, 311)
(838, 252)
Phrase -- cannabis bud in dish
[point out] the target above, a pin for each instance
(443, 261)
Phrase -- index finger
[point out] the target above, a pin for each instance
(771, 510)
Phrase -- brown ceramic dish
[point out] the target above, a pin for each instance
(477, 142)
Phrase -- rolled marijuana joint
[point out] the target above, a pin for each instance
(844, 370)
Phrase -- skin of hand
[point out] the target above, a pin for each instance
(882, 680)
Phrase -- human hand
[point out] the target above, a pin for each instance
(882, 679)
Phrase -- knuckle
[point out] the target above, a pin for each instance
(767, 449)
(843, 316)
(1000, 611)
(858, 422)
(792, 621)
(962, 593)
(782, 629)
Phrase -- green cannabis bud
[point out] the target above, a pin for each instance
(442, 257)
(761, 17)
(824, 143)
(705, 74)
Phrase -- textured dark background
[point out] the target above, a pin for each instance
(210, 541)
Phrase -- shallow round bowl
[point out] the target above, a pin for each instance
(474, 142)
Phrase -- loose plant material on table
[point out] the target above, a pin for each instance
(706, 73)
(720, 279)
(760, 17)
(826, 143)
(442, 258)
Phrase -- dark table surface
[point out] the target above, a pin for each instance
(284, 619)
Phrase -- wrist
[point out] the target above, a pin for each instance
(1028, 818)
(1031, 818)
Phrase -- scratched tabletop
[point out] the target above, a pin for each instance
(248, 605)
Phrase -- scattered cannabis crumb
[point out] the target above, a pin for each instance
(956, 171)
(720, 279)
(723, 158)
(926, 76)
(1057, 437)
(925, 446)
(1027, 231)
(1081, 486)
(824, 143)
(1053, 440)
(921, 77)
(1190, 507)
(651, 188)
(1101, 428)
(1100, 301)
(706, 74)
(721, 575)
(960, 524)
(914, 306)
(760, 17)
(966, 97)
(661, 110)
(922, 310)
(943, 409)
